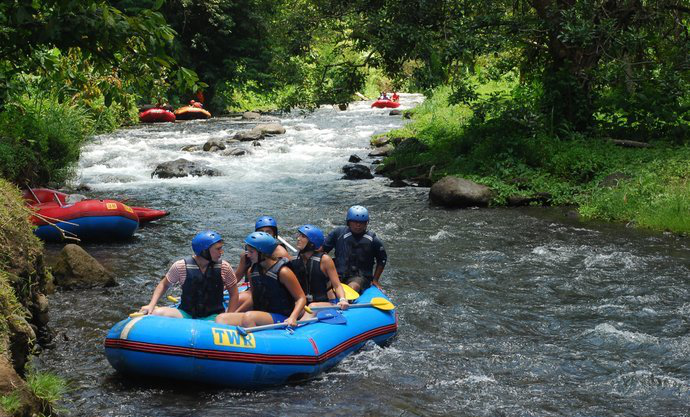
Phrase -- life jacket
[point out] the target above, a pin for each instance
(313, 281)
(268, 293)
(355, 256)
(202, 294)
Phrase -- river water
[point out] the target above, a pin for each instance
(503, 312)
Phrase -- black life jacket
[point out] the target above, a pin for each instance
(202, 294)
(313, 281)
(355, 256)
(268, 293)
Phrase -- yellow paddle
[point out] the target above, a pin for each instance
(376, 302)
(350, 294)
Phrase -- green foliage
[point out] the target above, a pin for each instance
(41, 138)
(48, 387)
(10, 403)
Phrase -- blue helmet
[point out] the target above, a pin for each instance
(261, 241)
(313, 234)
(204, 240)
(266, 221)
(357, 214)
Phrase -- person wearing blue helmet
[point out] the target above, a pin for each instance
(266, 224)
(203, 277)
(315, 270)
(276, 294)
(356, 251)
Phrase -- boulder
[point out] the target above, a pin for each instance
(214, 144)
(248, 135)
(182, 168)
(354, 159)
(384, 150)
(395, 113)
(191, 148)
(356, 172)
(250, 115)
(342, 106)
(411, 145)
(613, 180)
(379, 141)
(75, 268)
(256, 143)
(459, 193)
(235, 152)
(269, 129)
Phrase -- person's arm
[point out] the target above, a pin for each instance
(328, 268)
(381, 259)
(329, 242)
(288, 278)
(242, 266)
(161, 288)
(230, 283)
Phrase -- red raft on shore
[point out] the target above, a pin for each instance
(382, 104)
(87, 219)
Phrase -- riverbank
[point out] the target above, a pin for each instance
(24, 283)
(633, 182)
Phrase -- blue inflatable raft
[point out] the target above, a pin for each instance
(207, 352)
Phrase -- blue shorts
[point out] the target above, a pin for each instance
(278, 318)
(186, 315)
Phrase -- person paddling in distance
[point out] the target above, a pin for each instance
(276, 294)
(202, 278)
(266, 224)
(315, 270)
(356, 250)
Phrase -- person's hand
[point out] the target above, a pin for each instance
(147, 309)
(343, 304)
(377, 285)
(290, 322)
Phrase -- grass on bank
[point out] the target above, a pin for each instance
(507, 149)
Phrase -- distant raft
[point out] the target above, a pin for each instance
(382, 104)
(191, 112)
(218, 354)
(156, 115)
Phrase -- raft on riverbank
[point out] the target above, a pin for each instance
(207, 352)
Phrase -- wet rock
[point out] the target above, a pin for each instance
(235, 152)
(269, 129)
(520, 200)
(256, 143)
(248, 135)
(354, 159)
(182, 168)
(459, 193)
(384, 150)
(379, 141)
(250, 115)
(214, 144)
(411, 145)
(191, 148)
(397, 183)
(356, 172)
(342, 106)
(376, 162)
(395, 113)
(231, 141)
(75, 268)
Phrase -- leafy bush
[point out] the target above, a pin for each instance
(41, 139)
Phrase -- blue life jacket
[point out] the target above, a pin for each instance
(268, 293)
(202, 294)
(313, 281)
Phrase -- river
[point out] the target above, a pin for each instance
(502, 312)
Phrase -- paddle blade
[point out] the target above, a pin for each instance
(331, 316)
(173, 299)
(350, 294)
(382, 304)
(137, 314)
